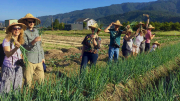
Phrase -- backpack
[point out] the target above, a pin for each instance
(2, 54)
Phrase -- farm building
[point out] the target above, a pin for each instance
(8, 22)
(87, 20)
(73, 27)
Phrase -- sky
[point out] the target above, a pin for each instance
(16, 9)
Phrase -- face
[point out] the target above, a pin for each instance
(30, 23)
(16, 30)
(129, 33)
(116, 26)
(92, 29)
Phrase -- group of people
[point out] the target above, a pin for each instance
(133, 43)
(22, 34)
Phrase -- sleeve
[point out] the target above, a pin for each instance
(27, 45)
(84, 41)
(5, 43)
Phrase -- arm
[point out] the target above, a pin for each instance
(82, 51)
(128, 38)
(8, 52)
(107, 29)
(152, 37)
(98, 46)
(147, 23)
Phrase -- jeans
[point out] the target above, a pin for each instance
(113, 52)
(87, 56)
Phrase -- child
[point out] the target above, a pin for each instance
(155, 45)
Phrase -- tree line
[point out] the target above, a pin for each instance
(159, 26)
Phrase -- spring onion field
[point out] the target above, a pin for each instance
(148, 77)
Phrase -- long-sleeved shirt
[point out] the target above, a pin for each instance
(36, 53)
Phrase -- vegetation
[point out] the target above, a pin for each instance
(91, 83)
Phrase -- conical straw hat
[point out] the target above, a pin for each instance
(95, 26)
(118, 23)
(9, 28)
(156, 42)
(29, 16)
(140, 23)
(151, 27)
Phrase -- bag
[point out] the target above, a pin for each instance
(2, 55)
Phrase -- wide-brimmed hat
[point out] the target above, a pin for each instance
(95, 26)
(156, 42)
(129, 30)
(9, 28)
(140, 23)
(29, 16)
(117, 23)
(150, 27)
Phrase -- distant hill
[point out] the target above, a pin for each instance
(170, 6)
(160, 16)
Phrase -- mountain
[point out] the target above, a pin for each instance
(172, 6)
(160, 16)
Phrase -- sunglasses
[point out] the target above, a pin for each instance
(19, 28)
(31, 21)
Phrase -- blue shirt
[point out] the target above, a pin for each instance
(115, 36)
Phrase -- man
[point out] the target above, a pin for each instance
(115, 36)
(36, 54)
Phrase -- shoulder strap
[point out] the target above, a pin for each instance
(11, 41)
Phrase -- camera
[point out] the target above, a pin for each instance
(20, 62)
(116, 45)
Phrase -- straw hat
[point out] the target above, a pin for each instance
(29, 16)
(150, 27)
(95, 26)
(156, 42)
(140, 23)
(117, 23)
(9, 28)
(129, 30)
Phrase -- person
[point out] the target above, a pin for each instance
(137, 41)
(128, 43)
(36, 55)
(12, 73)
(148, 36)
(155, 45)
(91, 44)
(115, 36)
(142, 45)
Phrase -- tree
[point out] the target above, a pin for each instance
(61, 26)
(84, 24)
(56, 24)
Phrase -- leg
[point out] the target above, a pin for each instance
(116, 54)
(111, 53)
(84, 61)
(18, 78)
(39, 72)
(93, 59)
(8, 75)
(28, 73)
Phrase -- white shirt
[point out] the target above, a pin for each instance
(138, 40)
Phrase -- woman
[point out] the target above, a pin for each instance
(128, 43)
(138, 41)
(91, 44)
(148, 36)
(11, 72)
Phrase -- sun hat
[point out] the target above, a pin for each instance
(117, 23)
(9, 28)
(95, 26)
(140, 23)
(150, 27)
(29, 16)
(156, 42)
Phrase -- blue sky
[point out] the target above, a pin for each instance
(15, 9)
